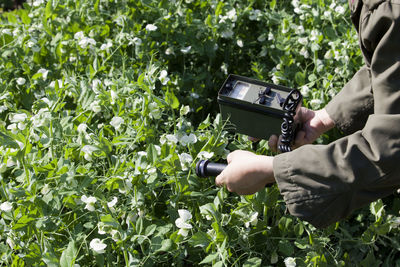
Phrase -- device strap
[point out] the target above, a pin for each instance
(288, 126)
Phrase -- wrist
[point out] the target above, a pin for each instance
(326, 122)
(265, 168)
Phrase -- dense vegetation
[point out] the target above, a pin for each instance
(105, 107)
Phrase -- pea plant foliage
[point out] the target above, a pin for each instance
(107, 105)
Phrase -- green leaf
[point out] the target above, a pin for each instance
(7, 141)
(109, 220)
(25, 16)
(252, 262)
(285, 248)
(23, 222)
(68, 255)
(377, 209)
(272, 4)
(199, 239)
(48, 10)
(166, 245)
(152, 154)
(209, 258)
(172, 100)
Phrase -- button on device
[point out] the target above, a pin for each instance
(263, 95)
(280, 99)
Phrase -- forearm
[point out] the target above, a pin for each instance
(325, 183)
(350, 108)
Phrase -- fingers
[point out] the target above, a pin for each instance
(253, 139)
(300, 139)
(219, 180)
(273, 143)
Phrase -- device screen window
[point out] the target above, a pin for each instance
(240, 90)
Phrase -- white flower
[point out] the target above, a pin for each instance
(10, 242)
(82, 128)
(290, 262)
(188, 139)
(45, 189)
(186, 49)
(6, 31)
(21, 81)
(163, 77)
(305, 90)
(239, 43)
(151, 27)
(41, 118)
(112, 202)
(106, 46)
(101, 228)
(3, 167)
(6, 206)
(44, 73)
(88, 151)
(395, 222)
(3, 108)
(155, 112)
(303, 40)
(205, 155)
(315, 103)
(95, 106)
(79, 35)
(170, 138)
(114, 96)
(98, 246)
(184, 110)
(194, 95)
(253, 220)
(314, 35)
(37, 3)
(182, 222)
(304, 53)
(20, 144)
(89, 201)
(227, 34)
(232, 15)
(340, 10)
(137, 41)
(169, 51)
(115, 235)
(19, 119)
(185, 159)
(254, 14)
(116, 122)
(327, 13)
(13, 128)
(85, 42)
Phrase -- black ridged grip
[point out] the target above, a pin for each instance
(205, 168)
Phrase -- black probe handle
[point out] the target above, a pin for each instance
(205, 168)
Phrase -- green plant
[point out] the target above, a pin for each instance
(105, 107)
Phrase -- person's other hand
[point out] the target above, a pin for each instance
(246, 173)
(314, 123)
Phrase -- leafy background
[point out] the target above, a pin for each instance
(106, 106)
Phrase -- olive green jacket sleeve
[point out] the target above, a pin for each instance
(350, 108)
(333, 180)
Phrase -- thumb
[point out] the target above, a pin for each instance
(299, 141)
(219, 180)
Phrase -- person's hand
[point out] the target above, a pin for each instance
(246, 172)
(314, 123)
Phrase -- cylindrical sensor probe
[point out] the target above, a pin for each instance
(205, 168)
